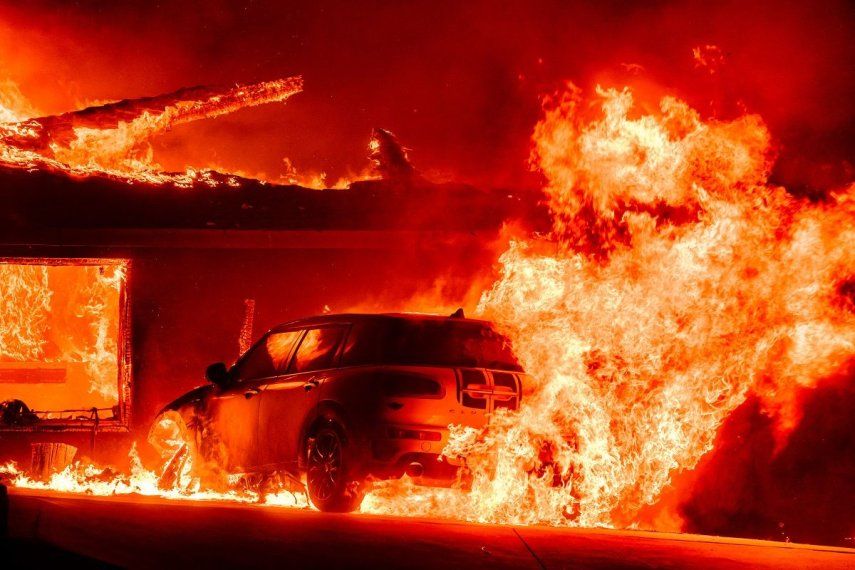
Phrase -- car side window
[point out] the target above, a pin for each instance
(269, 357)
(317, 349)
(279, 347)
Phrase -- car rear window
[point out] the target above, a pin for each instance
(429, 342)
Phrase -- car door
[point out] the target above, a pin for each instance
(234, 409)
(288, 400)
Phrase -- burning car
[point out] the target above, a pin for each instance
(342, 399)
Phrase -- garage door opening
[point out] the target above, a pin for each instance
(64, 351)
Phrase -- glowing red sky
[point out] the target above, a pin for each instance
(458, 82)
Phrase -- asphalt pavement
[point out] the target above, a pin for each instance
(56, 530)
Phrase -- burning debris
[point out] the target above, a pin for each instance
(389, 156)
(83, 476)
(113, 140)
(708, 57)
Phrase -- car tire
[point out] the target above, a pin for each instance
(332, 477)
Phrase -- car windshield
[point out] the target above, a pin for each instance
(430, 342)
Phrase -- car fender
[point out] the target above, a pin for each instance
(327, 412)
(192, 399)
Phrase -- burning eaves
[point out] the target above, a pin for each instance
(112, 140)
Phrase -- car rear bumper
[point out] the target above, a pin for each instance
(411, 449)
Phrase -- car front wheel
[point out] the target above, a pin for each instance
(331, 475)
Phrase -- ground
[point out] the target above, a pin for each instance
(51, 529)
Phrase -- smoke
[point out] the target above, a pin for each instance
(800, 492)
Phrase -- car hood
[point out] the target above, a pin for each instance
(193, 396)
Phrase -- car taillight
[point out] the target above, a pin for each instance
(478, 388)
(506, 393)
(411, 386)
(474, 389)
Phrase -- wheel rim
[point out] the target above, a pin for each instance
(324, 471)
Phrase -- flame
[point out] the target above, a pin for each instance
(85, 477)
(169, 436)
(677, 280)
(709, 57)
(23, 315)
(102, 310)
(14, 106)
(113, 139)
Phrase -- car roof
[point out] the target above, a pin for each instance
(369, 317)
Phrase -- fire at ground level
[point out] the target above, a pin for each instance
(139, 532)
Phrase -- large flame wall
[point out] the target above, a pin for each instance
(677, 282)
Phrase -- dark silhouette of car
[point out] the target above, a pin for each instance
(350, 397)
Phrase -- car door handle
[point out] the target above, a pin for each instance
(310, 385)
(250, 392)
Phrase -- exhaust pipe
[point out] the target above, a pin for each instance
(415, 469)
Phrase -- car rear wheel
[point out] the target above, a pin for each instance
(331, 474)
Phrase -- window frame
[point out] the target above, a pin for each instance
(124, 352)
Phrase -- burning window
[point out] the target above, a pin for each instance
(63, 353)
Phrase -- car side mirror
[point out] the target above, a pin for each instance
(218, 374)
